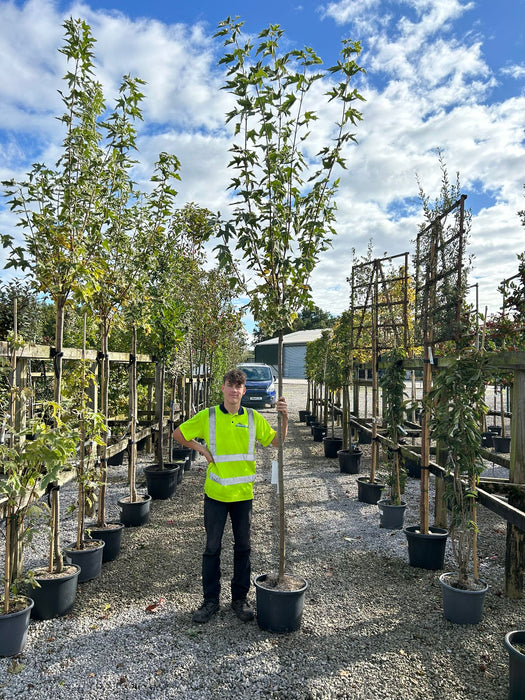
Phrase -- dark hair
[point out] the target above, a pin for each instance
(235, 377)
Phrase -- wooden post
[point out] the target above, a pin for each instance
(440, 508)
(133, 412)
(514, 567)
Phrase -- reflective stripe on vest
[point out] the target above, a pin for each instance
(231, 482)
(249, 457)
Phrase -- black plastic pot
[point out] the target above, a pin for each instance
(332, 445)
(303, 415)
(162, 483)
(349, 461)
(413, 468)
(426, 551)
(311, 419)
(279, 611)
(318, 432)
(141, 444)
(365, 437)
(111, 536)
(516, 664)
(182, 453)
(116, 460)
(486, 439)
(367, 492)
(494, 429)
(460, 606)
(391, 516)
(55, 596)
(136, 513)
(501, 444)
(181, 464)
(89, 559)
(13, 630)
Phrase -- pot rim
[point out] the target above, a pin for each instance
(274, 591)
(510, 642)
(143, 498)
(73, 548)
(434, 531)
(56, 575)
(366, 480)
(454, 573)
(385, 502)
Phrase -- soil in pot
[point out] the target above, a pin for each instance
(89, 559)
(426, 550)
(463, 607)
(349, 461)
(136, 513)
(332, 445)
(14, 626)
(279, 605)
(369, 492)
(57, 592)
(111, 534)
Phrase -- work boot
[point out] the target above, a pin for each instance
(242, 609)
(206, 611)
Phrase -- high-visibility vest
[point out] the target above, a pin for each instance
(230, 477)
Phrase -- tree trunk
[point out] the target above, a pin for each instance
(280, 465)
(60, 306)
(104, 409)
(132, 454)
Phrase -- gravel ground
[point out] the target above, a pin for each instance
(372, 626)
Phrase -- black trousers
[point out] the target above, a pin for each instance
(215, 515)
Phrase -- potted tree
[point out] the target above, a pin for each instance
(332, 443)
(86, 552)
(32, 460)
(30, 467)
(135, 508)
(283, 216)
(392, 381)
(457, 401)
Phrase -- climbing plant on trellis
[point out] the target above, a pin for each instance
(441, 283)
(379, 320)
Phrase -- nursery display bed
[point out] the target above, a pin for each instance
(372, 626)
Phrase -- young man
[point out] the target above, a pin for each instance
(230, 432)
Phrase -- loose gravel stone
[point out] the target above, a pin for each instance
(372, 626)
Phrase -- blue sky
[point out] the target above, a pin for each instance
(446, 74)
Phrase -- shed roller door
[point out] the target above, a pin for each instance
(293, 361)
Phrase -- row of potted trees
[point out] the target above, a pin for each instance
(456, 406)
(34, 460)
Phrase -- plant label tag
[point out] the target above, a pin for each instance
(275, 479)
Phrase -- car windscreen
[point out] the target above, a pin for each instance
(257, 374)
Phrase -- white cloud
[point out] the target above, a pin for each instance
(425, 87)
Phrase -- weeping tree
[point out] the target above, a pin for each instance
(284, 209)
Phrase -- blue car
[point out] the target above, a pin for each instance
(260, 387)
